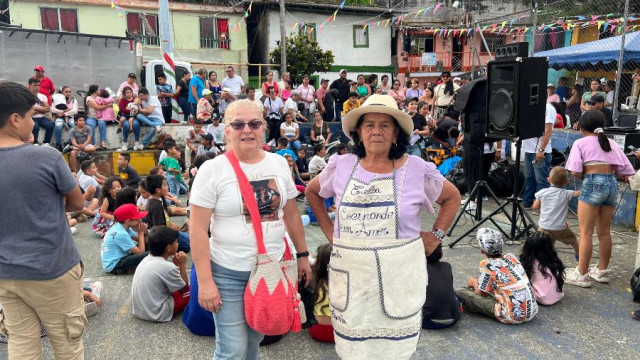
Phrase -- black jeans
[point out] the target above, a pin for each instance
(166, 113)
(274, 127)
(128, 262)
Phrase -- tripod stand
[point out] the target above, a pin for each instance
(518, 212)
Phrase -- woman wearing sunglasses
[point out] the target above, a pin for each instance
(223, 268)
(444, 95)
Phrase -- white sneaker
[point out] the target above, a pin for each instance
(73, 230)
(124, 147)
(573, 277)
(138, 146)
(471, 206)
(159, 130)
(601, 276)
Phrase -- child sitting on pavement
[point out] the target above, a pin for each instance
(119, 253)
(303, 164)
(553, 203)
(323, 330)
(160, 288)
(105, 218)
(175, 210)
(544, 269)
(441, 309)
(127, 173)
(502, 291)
(156, 185)
(282, 148)
(206, 147)
(90, 176)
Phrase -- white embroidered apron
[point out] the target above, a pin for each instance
(377, 281)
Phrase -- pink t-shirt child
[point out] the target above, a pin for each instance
(545, 289)
(107, 114)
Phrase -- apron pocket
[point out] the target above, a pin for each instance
(339, 288)
(402, 277)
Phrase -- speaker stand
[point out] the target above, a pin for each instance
(518, 214)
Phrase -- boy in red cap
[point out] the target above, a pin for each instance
(119, 252)
(46, 84)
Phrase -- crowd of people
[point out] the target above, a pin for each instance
(376, 242)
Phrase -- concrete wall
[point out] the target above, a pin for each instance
(103, 20)
(338, 37)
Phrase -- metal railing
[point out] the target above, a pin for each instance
(209, 43)
(452, 61)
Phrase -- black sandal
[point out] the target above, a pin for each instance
(635, 314)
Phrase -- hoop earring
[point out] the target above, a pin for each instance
(394, 145)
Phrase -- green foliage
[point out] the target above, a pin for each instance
(304, 57)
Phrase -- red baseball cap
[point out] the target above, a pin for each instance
(39, 68)
(129, 212)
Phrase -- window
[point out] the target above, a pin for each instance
(421, 45)
(214, 33)
(309, 29)
(360, 36)
(144, 27)
(493, 42)
(59, 19)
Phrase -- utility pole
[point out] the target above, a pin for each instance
(283, 41)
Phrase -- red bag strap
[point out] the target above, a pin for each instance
(246, 190)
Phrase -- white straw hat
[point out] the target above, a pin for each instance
(383, 104)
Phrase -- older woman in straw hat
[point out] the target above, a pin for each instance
(377, 271)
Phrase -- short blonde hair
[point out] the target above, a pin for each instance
(559, 176)
(238, 104)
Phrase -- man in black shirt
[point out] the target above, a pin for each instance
(597, 103)
(343, 85)
(440, 132)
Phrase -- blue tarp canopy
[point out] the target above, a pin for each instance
(596, 55)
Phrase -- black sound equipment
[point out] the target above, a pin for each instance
(471, 102)
(513, 50)
(516, 97)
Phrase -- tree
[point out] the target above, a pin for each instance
(304, 57)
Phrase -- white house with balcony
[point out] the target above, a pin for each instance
(359, 50)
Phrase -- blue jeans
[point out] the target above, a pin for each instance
(186, 109)
(183, 242)
(535, 176)
(151, 122)
(136, 130)
(414, 150)
(102, 127)
(599, 190)
(48, 126)
(173, 184)
(234, 338)
(57, 131)
(296, 144)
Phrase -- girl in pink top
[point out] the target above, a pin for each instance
(544, 269)
(104, 99)
(599, 161)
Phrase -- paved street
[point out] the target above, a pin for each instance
(588, 323)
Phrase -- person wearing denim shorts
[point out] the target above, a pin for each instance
(599, 161)
(223, 269)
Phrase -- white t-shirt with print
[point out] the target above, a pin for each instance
(316, 164)
(532, 145)
(232, 242)
(289, 130)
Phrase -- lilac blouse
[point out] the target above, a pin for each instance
(588, 149)
(418, 184)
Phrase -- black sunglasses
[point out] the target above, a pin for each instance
(239, 125)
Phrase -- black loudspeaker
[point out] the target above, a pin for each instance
(516, 97)
(513, 50)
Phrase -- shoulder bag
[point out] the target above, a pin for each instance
(272, 304)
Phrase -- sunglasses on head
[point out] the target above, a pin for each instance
(239, 125)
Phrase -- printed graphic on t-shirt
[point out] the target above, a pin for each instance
(268, 197)
(124, 176)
